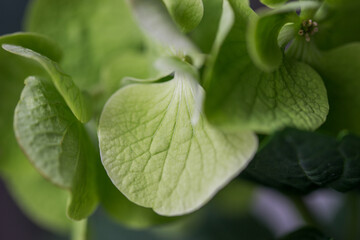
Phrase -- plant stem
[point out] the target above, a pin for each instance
(79, 230)
(304, 211)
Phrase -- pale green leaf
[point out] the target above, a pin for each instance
(186, 13)
(90, 32)
(240, 96)
(263, 32)
(157, 158)
(56, 143)
(72, 95)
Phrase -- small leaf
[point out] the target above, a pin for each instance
(63, 83)
(263, 32)
(240, 96)
(157, 158)
(186, 13)
(56, 143)
(303, 161)
(307, 233)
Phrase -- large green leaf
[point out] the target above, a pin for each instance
(340, 69)
(186, 13)
(89, 31)
(57, 144)
(79, 105)
(263, 31)
(158, 157)
(240, 96)
(302, 161)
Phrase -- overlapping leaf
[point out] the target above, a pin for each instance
(77, 102)
(12, 81)
(57, 144)
(39, 199)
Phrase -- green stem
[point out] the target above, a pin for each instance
(304, 211)
(79, 230)
(353, 224)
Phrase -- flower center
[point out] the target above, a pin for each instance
(308, 28)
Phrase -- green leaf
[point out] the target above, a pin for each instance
(90, 32)
(240, 96)
(157, 157)
(40, 200)
(338, 26)
(307, 233)
(273, 3)
(186, 13)
(263, 32)
(76, 101)
(340, 69)
(303, 161)
(56, 143)
(12, 82)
